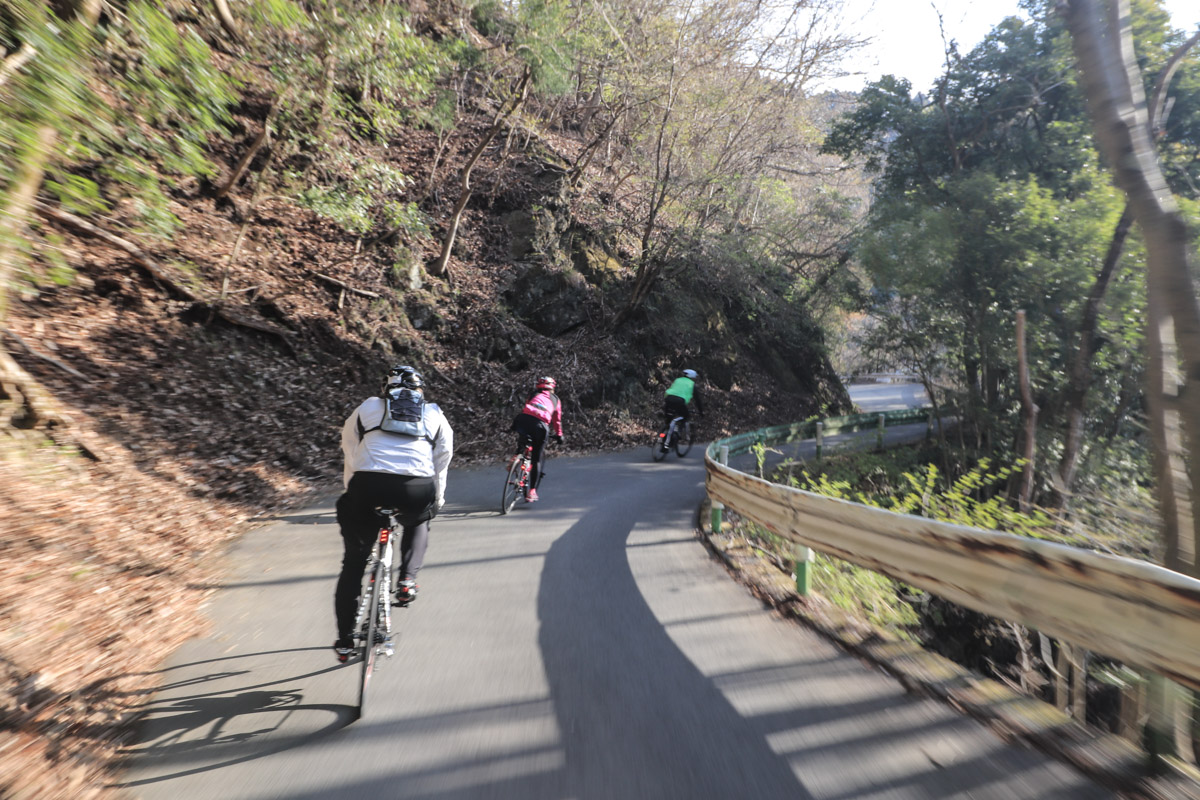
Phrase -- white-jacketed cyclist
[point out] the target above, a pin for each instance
(397, 450)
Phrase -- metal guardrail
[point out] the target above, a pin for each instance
(1131, 610)
(796, 431)
(881, 377)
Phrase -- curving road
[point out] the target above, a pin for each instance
(584, 647)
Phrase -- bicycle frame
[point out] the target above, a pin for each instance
(666, 436)
(669, 437)
(673, 430)
(518, 483)
(383, 554)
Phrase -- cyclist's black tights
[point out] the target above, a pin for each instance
(529, 426)
(360, 526)
(674, 406)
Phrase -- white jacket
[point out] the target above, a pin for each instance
(380, 451)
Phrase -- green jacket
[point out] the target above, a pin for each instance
(683, 387)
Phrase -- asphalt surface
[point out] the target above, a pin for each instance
(586, 646)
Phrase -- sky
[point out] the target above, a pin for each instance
(907, 42)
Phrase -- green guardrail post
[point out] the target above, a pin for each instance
(879, 432)
(820, 438)
(803, 573)
(717, 507)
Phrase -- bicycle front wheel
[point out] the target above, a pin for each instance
(683, 440)
(374, 631)
(512, 487)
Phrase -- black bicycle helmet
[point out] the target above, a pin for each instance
(403, 376)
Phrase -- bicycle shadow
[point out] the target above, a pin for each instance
(178, 736)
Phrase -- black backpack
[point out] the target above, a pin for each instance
(404, 414)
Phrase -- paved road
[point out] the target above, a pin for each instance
(584, 647)
(888, 396)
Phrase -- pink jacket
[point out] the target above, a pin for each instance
(546, 406)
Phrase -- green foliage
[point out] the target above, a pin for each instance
(544, 39)
(759, 449)
(349, 209)
(867, 594)
(76, 193)
(862, 592)
(175, 88)
(356, 193)
(488, 18)
(975, 498)
(50, 268)
(991, 201)
(406, 217)
(441, 115)
(51, 89)
(349, 72)
(272, 13)
(393, 69)
(165, 74)
(164, 98)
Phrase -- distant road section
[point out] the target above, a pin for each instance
(888, 396)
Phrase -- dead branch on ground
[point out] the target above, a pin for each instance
(342, 285)
(231, 315)
(263, 137)
(67, 368)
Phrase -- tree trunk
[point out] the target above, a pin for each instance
(1029, 413)
(24, 188)
(1081, 370)
(1115, 98)
(227, 20)
(441, 266)
(1113, 86)
(1080, 377)
(325, 87)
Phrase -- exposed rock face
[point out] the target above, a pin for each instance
(595, 263)
(550, 300)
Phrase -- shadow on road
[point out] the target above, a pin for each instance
(236, 722)
(600, 639)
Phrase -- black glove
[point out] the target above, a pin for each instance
(558, 438)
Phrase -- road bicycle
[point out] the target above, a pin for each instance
(676, 434)
(373, 623)
(517, 482)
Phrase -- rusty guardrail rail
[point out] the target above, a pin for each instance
(1141, 613)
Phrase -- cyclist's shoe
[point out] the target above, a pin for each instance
(531, 497)
(406, 592)
(343, 648)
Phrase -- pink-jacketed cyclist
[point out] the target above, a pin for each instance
(541, 417)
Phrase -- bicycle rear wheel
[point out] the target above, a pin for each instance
(683, 440)
(659, 447)
(512, 487)
(370, 646)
